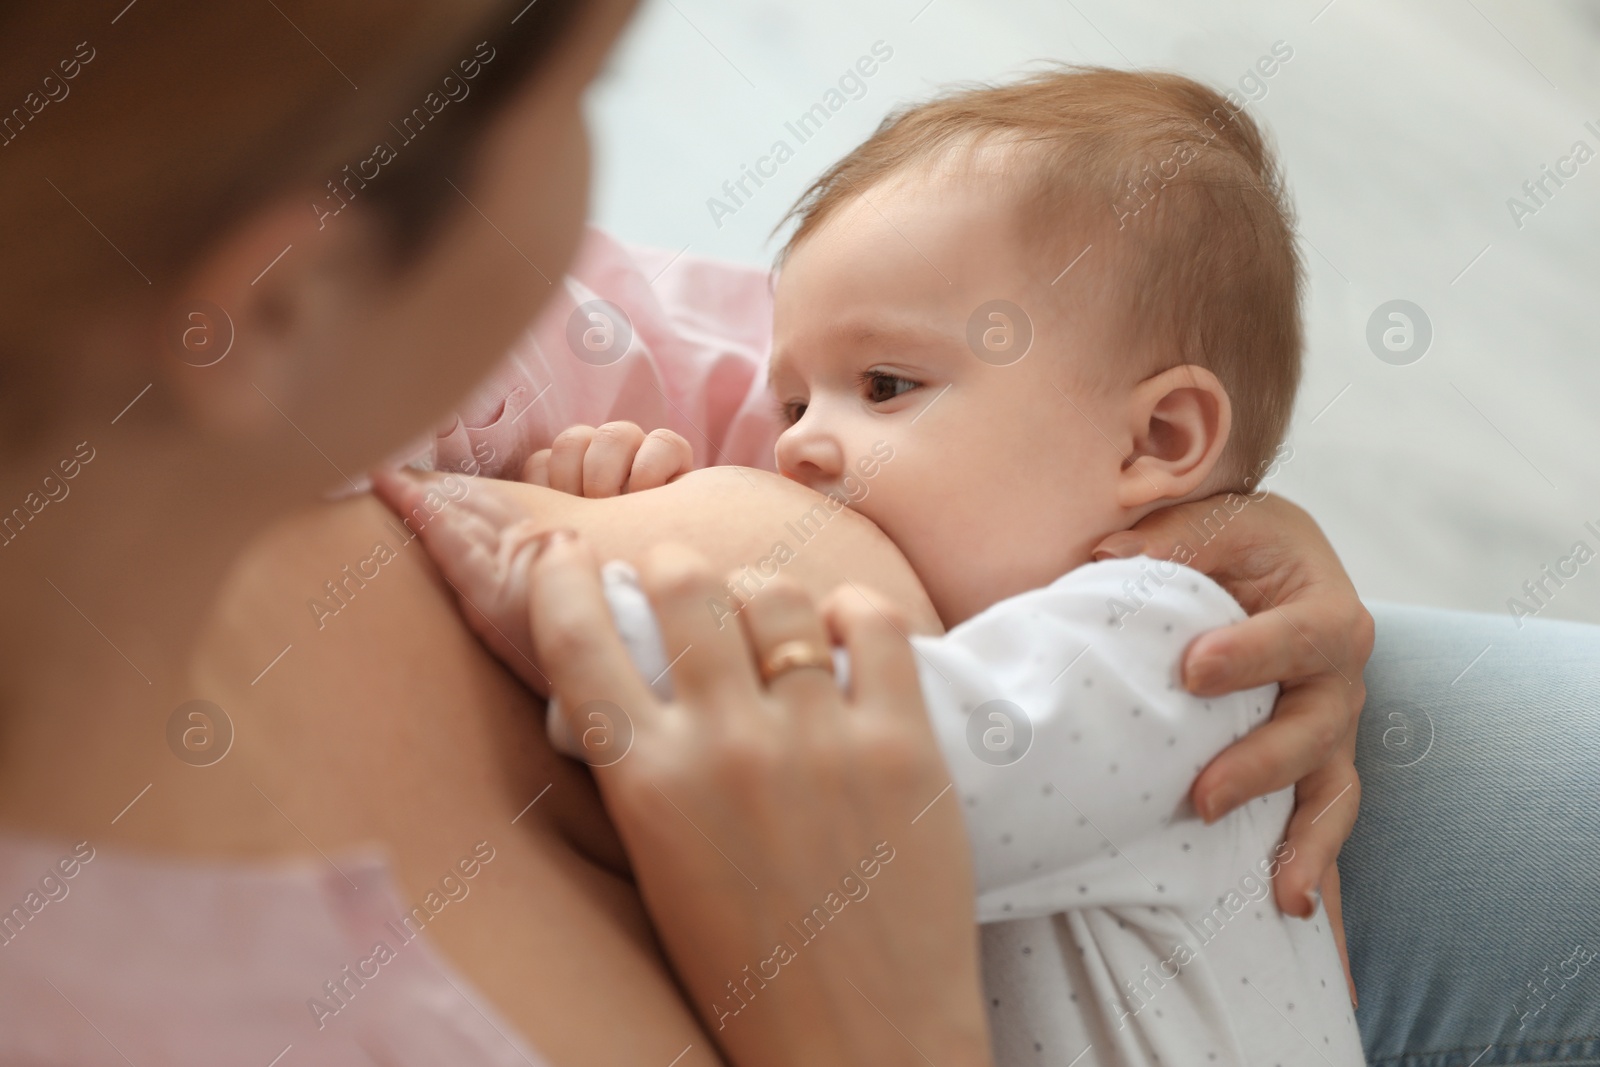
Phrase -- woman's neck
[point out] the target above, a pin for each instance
(113, 540)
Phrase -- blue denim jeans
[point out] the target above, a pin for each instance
(1471, 885)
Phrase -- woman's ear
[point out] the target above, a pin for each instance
(247, 330)
(1179, 424)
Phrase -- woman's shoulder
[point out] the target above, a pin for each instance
(341, 648)
(379, 718)
(307, 573)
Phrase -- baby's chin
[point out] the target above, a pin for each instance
(961, 589)
(957, 605)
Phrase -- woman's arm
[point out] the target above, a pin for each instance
(388, 723)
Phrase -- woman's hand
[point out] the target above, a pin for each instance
(1307, 631)
(799, 849)
(481, 537)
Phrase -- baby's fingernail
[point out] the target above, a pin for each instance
(1119, 546)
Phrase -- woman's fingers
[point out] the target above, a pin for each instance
(1296, 640)
(704, 643)
(1170, 533)
(883, 669)
(782, 618)
(662, 457)
(481, 544)
(1307, 726)
(609, 458)
(461, 535)
(1326, 803)
(566, 459)
(577, 638)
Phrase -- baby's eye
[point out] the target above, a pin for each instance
(792, 411)
(881, 386)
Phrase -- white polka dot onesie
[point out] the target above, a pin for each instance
(1118, 929)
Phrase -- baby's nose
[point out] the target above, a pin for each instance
(808, 455)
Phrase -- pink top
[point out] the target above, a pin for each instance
(697, 339)
(155, 962)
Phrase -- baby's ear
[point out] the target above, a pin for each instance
(1179, 421)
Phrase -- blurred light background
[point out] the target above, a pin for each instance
(1404, 128)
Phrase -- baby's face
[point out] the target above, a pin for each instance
(1003, 475)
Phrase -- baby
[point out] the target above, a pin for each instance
(1015, 320)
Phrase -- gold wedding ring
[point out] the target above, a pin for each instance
(792, 656)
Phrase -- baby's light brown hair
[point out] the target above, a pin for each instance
(1170, 180)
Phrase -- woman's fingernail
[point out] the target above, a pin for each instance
(542, 541)
(1311, 905)
(1205, 674)
(1215, 806)
(1119, 546)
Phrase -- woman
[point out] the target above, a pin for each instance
(241, 240)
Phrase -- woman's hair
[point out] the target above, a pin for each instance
(130, 134)
(1175, 186)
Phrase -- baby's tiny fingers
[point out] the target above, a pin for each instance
(609, 458)
(662, 457)
(566, 459)
(536, 468)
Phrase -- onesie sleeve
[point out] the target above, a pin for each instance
(659, 337)
(1068, 734)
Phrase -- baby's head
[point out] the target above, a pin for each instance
(1061, 303)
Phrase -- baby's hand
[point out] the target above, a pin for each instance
(617, 458)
